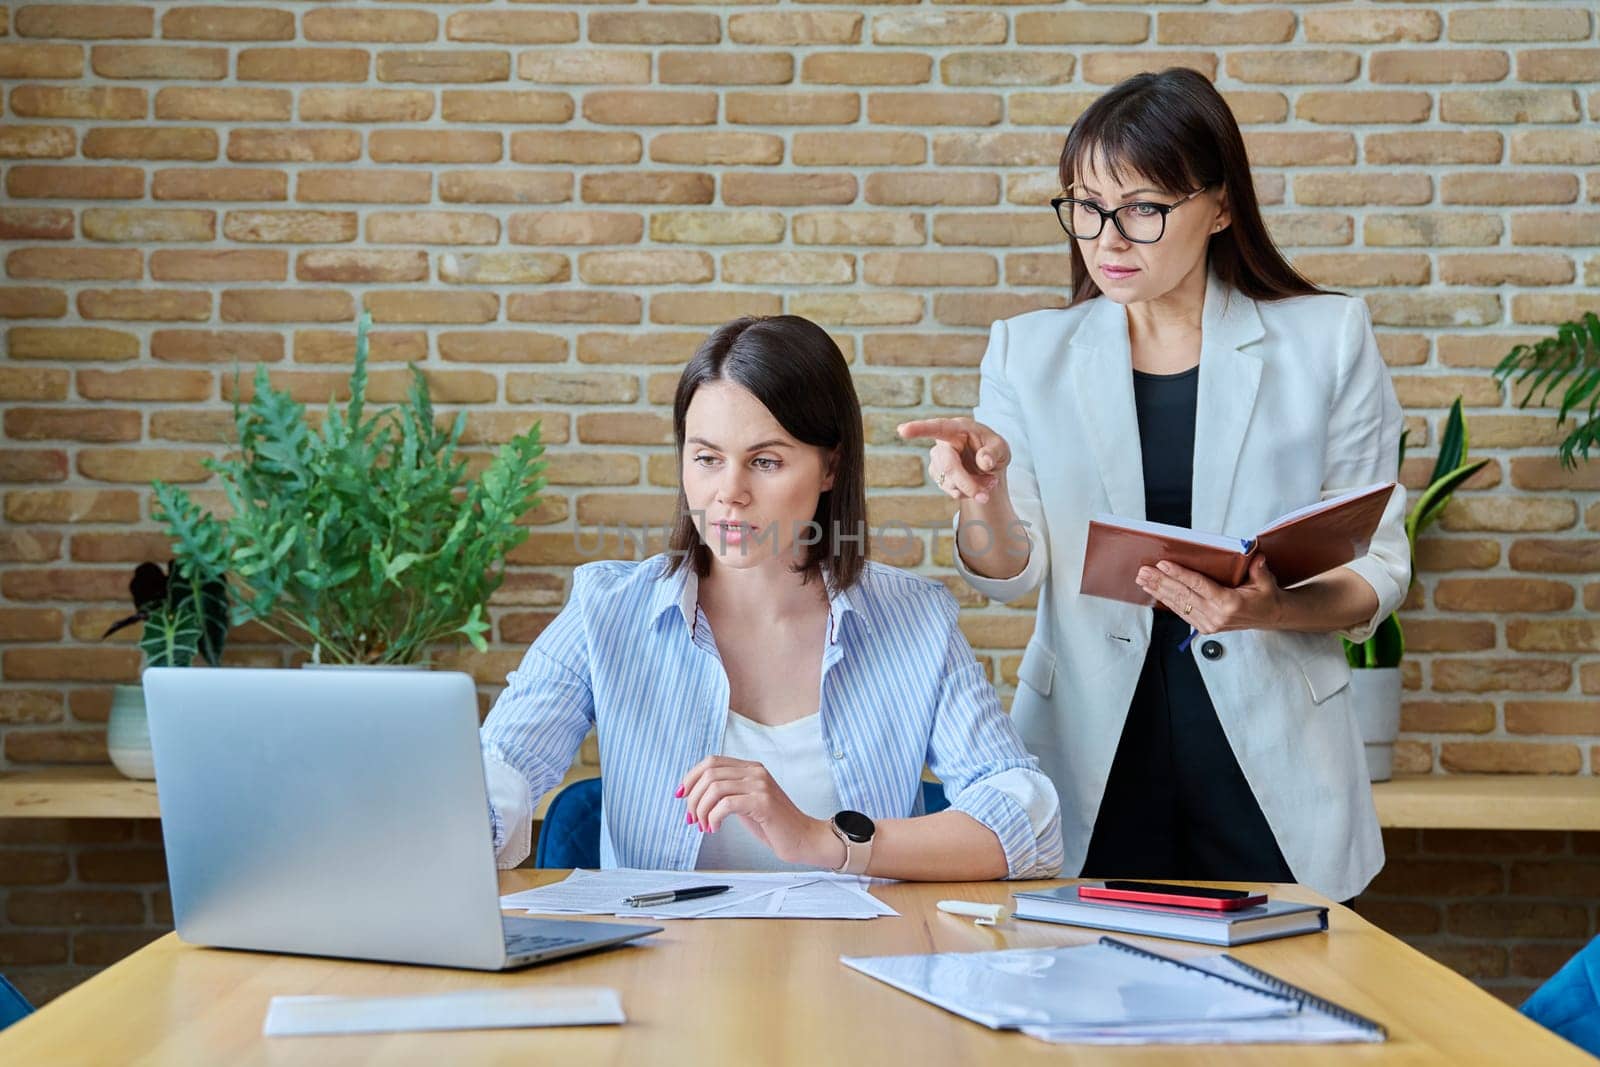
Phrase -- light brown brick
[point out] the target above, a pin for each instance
(554, 387)
(1082, 27)
(569, 66)
(208, 183)
(71, 264)
(788, 268)
(723, 68)
(159, 61)
(74, 182)
(61, 343)
(644, 268)
(576, 146)
(1508, 514)
(298, 227)
(654, 27)
(725, 149)
(432, 227)
(1437, 66)
(1357, 26)
(740, 189)
(1355, 189)
(29, 546)
(1500, 187)
(877, 148)
(1436, 309)
(1436, 228)
(858, 228)
(869, 68)
(575, 228)
(562, 306)
(219, 265)
(286, 305)
(1552, 635)
(1559, 65)
(79, 102)
(981, 309)
(791, 108)
(1524, 24)
(930, 189)
(1555, 228)
(1509, 757)
(37, 142)
(653, 108)
(1290, 67)
(365, 105)
(1310, 228)
(146, 306)
(439, 66)
(934, 109)
(1510, 106)
(711, 308)
(717, 227)
(1550, 308)
(387, 26)
(215, 346)
(145, 383)
(646, 348)
(148, 224)
(625, 428)
(864, 308)
(939, 28)
(1362, 269)
(920, 269)
(1555, 146)
(795, 27)
(1337, 106)
(501, 346)
(1566, 556)
(383, 186)
(56, 424)
(32, 302)
(232, 23)
(84, 20)
(36, 224)
(1546, 472)
(152, 142)
(659, 188)
(295, 146)
(1417, 146)
(1009, 68)
(996, 228)
(500, 105)
(141, 465)
(1506, 268)
(33, 465)
(1447, 716)
(1216, 27)
(41, 61)
(303, 64)
(418, 146)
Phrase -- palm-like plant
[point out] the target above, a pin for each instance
(1571, 359)
(1387, 644)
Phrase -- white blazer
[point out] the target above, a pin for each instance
(1294, 405)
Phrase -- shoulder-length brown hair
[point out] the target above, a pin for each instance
(793, 367)
(1174, 128)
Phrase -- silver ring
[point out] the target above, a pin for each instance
(939, 479)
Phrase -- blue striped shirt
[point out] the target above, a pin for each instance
(633, 657)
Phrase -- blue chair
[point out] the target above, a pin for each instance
(570, 835)
(1569, 1001)
(13, 1005)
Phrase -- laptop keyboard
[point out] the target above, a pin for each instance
(521, 944)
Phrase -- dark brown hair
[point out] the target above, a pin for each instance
(1174, 128)
(793, 367)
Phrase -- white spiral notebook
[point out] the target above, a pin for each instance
(1112, 992)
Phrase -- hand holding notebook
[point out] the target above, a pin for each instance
(1299, 545)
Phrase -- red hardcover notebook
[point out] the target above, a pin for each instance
(1300, 545)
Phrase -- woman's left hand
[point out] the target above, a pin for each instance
(1211, 608)
(718, 787)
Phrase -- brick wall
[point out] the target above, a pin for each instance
(547, 205)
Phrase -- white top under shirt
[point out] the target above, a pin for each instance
(797, 759)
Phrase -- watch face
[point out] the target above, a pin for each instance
(854, 825)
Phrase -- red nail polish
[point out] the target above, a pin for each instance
(679, 793)
(688, 817)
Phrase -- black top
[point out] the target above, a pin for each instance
(1166, 406)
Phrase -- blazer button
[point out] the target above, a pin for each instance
(1211, 650)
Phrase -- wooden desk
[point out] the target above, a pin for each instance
(706, 993)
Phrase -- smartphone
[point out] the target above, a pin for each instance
(1180, 896)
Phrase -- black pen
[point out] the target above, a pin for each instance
(672, 896)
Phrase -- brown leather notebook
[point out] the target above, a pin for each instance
(1300, 545)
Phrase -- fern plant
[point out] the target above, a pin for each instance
(1571, 361)
(362, 541)
(1387, 645)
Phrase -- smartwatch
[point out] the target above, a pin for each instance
(855, 830)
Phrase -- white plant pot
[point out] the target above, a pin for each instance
(128, 734)
(1375, 695)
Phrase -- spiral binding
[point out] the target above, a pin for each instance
(1327, 1007)
(1111, 942)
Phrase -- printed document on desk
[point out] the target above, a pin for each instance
(817, 895)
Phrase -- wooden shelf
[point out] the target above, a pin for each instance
(1463, 802)
(1490, 802)
(90, 792)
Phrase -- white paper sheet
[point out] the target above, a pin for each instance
(821, 895)
(475, 1009)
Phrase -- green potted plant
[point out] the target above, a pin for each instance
(1573, 353)
(1375, 684)
(361, 541)
(184, 615)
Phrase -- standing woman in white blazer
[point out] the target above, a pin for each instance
(1195, 379)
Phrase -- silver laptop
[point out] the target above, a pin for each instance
(338, 813)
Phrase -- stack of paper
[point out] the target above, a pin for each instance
(753, 896)
(471, 1009)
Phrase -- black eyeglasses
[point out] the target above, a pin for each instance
(1141, 222)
